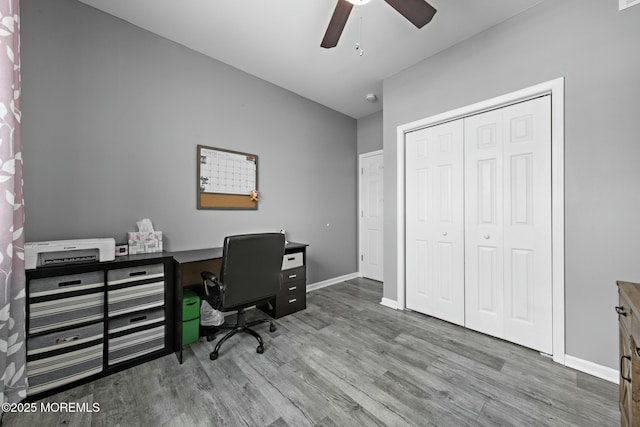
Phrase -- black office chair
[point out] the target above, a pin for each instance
(250, 274)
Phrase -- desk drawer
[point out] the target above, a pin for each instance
(292, 260)
(293, 275)
(288, 302)
(62, 357)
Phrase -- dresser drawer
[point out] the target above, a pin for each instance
(62, 357)
(293, 275)
(136, 344)
(62, 301)
(292, 260)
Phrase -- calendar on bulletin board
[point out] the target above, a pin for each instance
(227, 179)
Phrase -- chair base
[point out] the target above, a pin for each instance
(241, 326)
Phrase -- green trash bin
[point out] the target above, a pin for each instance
(190, 317)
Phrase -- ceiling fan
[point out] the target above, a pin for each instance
(418, 12)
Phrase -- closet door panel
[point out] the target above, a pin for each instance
(527, 237)
(435, 221)
(484, 297)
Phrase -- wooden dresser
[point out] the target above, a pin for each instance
(628, 310)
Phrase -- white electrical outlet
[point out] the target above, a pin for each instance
(623, 4)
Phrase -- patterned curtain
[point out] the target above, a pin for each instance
(13, 383)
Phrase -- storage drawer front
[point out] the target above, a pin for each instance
(292, 260)
(57, 286)
(120, 276)
(135, 345)
(135, 298)
(62, 312)
(293, 275)
(290, 302)
(136, 320)
(62, 357)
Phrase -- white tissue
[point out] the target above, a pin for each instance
(145, 225)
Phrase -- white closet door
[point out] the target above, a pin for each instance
(484, 278)
(435, 221)
(508, 223)
(371, 219)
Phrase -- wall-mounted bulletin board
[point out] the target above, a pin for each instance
(226, 179)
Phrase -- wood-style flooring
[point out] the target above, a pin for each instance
(346, 361)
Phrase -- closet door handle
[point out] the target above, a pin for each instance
(486, 236)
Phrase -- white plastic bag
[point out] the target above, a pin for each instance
(210, 316)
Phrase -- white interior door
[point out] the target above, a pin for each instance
(371, 219)
(508, 273)
(435, 221)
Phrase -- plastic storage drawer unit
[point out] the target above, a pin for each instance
(190, 317)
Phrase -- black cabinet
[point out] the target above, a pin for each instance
(89, 320)
(293, 294)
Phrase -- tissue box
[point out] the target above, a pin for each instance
(142, 242)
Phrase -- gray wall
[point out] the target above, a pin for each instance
(595, 48)
(370, 133)
(112, 115)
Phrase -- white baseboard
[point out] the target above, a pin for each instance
(389, 303)
(329, 282)
(591, 368)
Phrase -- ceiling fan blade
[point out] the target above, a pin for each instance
(419, 12)
(337, 23)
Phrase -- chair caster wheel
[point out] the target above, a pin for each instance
(213, 355)
(272, 327)
(260, 349)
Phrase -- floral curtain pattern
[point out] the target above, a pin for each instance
(13, 382)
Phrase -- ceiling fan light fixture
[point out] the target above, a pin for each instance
(358, 2)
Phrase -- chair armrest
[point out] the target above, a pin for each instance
(207, 275)
(213, 289)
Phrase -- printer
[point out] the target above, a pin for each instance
(56, 252)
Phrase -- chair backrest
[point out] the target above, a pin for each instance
(251, 266)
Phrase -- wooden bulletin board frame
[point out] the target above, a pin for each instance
(226, 195)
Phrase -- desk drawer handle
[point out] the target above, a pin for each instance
(293, 276)
(291, 301)
(293, 288)
(291, 259)
(621, 363)
(620, 310)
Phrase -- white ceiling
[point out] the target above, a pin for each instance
(279, 40)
